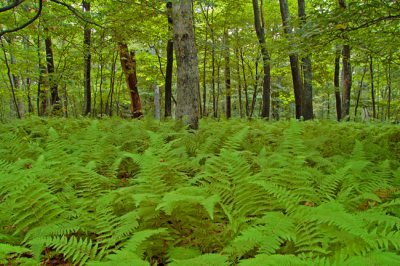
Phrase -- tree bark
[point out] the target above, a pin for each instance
(228, 111)
(170, 64)
(55, 99)
(128, 64)
(87, 62)
(260, 31)
(347, 82)
(307, 101)
(294, 60)
(245, 83)
(347, 76)
(239, 83)
(187, 108)
(371, 72)
(337, 86)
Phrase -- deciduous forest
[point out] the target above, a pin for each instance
(200, 132)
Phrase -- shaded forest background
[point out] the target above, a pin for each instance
(272, 59)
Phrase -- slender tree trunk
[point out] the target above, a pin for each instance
(11, 80)
(337, 86)
(55, 99)
(359, 92)
(128, 63)
(239, 82)
(260, 31)
(307, 101)
(245, 83)
(227, 76)
(294, 60)
(109, 102)
(187, 107)
(87, 59)
(170, 64)
(253, 102)
(371, 72)
(389, 81)
(29, 96)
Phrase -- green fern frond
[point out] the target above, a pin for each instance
(203, 260)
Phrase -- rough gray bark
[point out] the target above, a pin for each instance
(187, 107)
(55, 99)
(259, 26)
(170, 64)
(87, 62)
(294, 60)
(336, 81)
(371, 72)
(307, 103)
(228, 111)
(347, 76)
(347, 82)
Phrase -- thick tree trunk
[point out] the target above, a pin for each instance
(347, 75)
(294, 60)
(347, 82)
(55, 99)
(170, 64)
(228, 111)
(187, 107)
(307, 101)
(87, 62)
(259, 26)
(128, 64)
(336, 81)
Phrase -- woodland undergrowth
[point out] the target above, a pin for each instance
(117, 192)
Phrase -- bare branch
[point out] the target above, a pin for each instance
(77, 13)
(26, 23)
(12, 5)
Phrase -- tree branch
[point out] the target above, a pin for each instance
(26, 23)
(12, 5)
(77, 13)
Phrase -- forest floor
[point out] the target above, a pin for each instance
(119, 192)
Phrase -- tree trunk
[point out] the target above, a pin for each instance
(245, 83)
(228, 111)
(389, 84)
(170, 64)
(337, 86)
(87, 62)
(11, 80)
(259, 26)
(347, 76)
(187, 107)
(359, 92)
(294, 60)
(347, 82)
(371, 72)
(307, 101)
(239, 83)
(109, 102)
(128, 63)
(54, 100)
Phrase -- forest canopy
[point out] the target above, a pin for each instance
(271, 59)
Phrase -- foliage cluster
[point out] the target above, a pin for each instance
(116, 192)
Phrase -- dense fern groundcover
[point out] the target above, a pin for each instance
(115, 192)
